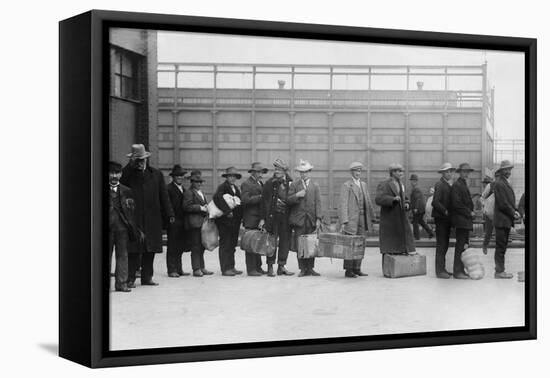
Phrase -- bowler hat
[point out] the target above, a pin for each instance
(395, 167)
(232, 171)
(196, 176)
(446, 167)
(356, 165)
(281, 164)
(464, 167)
(505, 164)
(177, 170)
(257, 167)
(413, 177)
(115, 167)
(138, 152)
(304, 166)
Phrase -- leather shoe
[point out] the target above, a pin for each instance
(461, 276)
(237, 271)
(228, 273)
(206, 272)
(484, 250)
(173, 275)
(350, 274)
(359, 273)
(131, 284)
(314, 273)
(254, 273)
(444, 275)
(123, 289)
(303, 273)
(281, 271)
(262, 271)
(197, 273)
(270, 272)
(182, 273)
(149, 283)
(504, 275)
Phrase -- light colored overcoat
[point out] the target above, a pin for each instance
(348, 209)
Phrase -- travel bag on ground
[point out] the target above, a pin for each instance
(395, 266)
(259, 242)
(341, 246)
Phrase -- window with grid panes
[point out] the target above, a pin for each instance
(125, 76)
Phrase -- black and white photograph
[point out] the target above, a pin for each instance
(265, 189)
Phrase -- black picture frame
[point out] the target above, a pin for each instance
(83, 112)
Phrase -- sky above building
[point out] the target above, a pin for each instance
(505, 70)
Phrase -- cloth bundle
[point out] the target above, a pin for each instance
(472, 264)
(231, 201)
(209, 235)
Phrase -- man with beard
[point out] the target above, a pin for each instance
(153, 208)
(441, 212)
(177, 242)
(251, 195)
(505, 214)
(462, 216)
(275, 213)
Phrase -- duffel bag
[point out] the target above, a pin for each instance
(259, 242)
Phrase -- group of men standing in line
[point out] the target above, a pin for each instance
(141, 205)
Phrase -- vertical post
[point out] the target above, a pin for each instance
(484, 106)
(253, 118)
(215, 151)
(291, 116)
(330, 160)
(369, 134)
(293, 98)
(176, 137)
(444, 118)
(407, 146)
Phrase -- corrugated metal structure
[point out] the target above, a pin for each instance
(213, 125)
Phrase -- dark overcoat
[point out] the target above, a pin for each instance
(505, 203)
(441, 203)
(153, 208)
(273, 190)
(251, 196)
(230, 217)
(395, 229)
(127, 213)
(304, 207)
(177, 238)
(461, 205)
(418, 201)
(194, 216)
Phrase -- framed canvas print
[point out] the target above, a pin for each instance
(235, 188)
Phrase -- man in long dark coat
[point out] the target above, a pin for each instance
(505, 214)
(304, 198)
(487, 222)
(229, 223)
(177, 239)
(251, 197)
(395, 230)
(153, 209)
(355, 213)
(462, 216)
(418, 207)
(441, 212)
(275, 214)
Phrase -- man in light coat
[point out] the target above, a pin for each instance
(355, 213)
(304, 198)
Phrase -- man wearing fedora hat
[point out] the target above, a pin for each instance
(229, 223)
(275, 212)
(395, 230)
(418, 207)
(176, 233)
(251, 195)
(462, 217)
(304, 198)
(441, 213)
(153, 210)
(196, 210)
(505, 214)
(355, 213)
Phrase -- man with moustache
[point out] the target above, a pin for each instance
(441, 212)
(251, 197)
(505, 214)
(462, 216)
(176, 232)
(153, 209)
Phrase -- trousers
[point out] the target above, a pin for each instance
(442, 235)
(229, 236)
(355, 265)
(307, 228)
(462, 238)
(488, 230)
(418, 219)
(147, 260)
(197, 250)
(118, 239)
(280, 229)
(502, 235)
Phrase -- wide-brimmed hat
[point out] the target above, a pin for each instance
(257, 167)
(304, 166)
(446, 167)
(196, 176)
(395, 167)
(464, 167)
(413, 177)
(356, 165)
(177, 170)
(138, 152)
(504, 164)
(232, 171)
(281, 164)
(115, 167)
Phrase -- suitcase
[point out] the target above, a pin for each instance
(341, 246)
(259, 242)
(308, 246)
(395, 266)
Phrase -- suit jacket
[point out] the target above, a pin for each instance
(306, 207)
(176, 199)
(176, 231)
(348, 209)
(395, 230)
(127, 209)
(153, 206)
(251, 197)
(505, 204)
(441, 201)
(271, 191)
(194, 216)
(418, 201)
(230, 217)
(462, 205)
